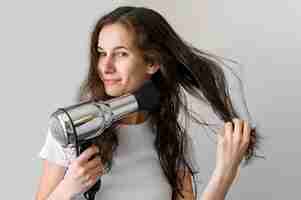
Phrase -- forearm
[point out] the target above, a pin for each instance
(217, 188)
(60, 193)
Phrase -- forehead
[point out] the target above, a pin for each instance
(114, 35)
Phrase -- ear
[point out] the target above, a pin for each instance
(153, 68)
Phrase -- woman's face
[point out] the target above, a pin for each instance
(121, 66)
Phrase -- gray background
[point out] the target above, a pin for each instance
(43, 48)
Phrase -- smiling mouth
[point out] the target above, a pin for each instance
(110, 82)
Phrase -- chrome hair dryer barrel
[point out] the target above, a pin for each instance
(78, 123)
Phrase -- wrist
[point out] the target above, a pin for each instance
(64, 191)
(216, 188)
(222, 180)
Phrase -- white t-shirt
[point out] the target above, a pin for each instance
(136, 172)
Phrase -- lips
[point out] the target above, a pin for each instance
(111, 81)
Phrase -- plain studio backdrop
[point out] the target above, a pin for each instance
(44, 48)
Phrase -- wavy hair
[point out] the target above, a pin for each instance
(182, 68)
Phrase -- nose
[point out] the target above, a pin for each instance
(107, 64)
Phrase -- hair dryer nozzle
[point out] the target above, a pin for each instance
(148, 96)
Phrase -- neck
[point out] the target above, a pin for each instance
(134, 118)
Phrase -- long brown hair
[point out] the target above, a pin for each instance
(182, 67)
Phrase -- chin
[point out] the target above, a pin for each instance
(112, 94)
(115, 93)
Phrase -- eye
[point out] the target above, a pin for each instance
(121, 54)
(100, 52)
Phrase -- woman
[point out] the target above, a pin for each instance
(148, 156)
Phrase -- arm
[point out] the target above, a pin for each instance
(215, 190)
(217, 187)
(232, 144)
(50, 179)
(82, 173)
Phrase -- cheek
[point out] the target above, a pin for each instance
(137, 78)
(99, 72)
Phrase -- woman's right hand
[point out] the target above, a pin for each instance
(83, 173)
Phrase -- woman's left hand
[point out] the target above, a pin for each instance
(231, 147)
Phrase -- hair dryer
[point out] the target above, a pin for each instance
(77, 124)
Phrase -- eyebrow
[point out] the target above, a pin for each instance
(115, 48)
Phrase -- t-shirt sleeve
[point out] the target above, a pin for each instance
(54, 152)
